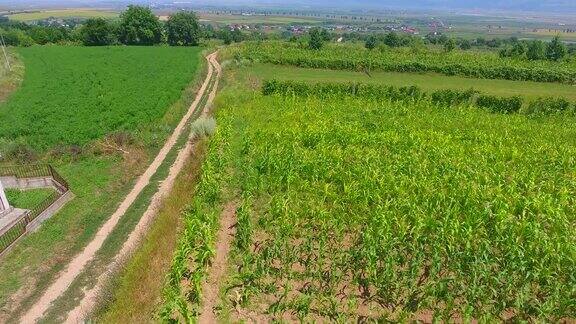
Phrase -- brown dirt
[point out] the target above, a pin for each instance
(79, 262)
(217, 271)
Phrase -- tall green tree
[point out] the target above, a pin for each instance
(183, 29)
(465, 44)
(139, 26)
(392, 39)
(536, 50)
(556, 50)
(450, 45)
(371, 42)
(316, 40)
(97, 32)
(237, 35)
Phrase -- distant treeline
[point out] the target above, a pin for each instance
(446, 97)
(136, 26)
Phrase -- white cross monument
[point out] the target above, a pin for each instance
(4, 206)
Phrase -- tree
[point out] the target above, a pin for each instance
(237, 35)
(226, 36)
(183, 29)
(47, 35)
(97, 32)
(536, 50)
(392, 39)
(139, 26)
(316, 41)
(518, 49)
(556, 50)
(465, 44)
(449, 45)
(371, 42)
(325, 35)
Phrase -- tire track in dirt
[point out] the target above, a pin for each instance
(217, 271)
(77, 265)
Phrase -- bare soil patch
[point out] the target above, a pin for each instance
(217, 271)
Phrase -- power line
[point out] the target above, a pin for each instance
(3, 43)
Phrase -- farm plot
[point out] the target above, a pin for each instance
(360, 209)
(75, 95)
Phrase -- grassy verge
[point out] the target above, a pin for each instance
(11, 78)
(253, 74)
(139, 288)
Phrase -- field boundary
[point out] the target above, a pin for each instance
(75, 267)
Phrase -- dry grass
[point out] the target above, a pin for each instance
(139, 288)
(10, 79)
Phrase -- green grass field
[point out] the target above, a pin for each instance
(254, 73)
(355, 209)
(28, 199)
(87, 93)
(75, 95)
(64, 13)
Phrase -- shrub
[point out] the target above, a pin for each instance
(451, 97)
(470, 64)
(203, 127)
(504, 105)
(547, 106)
(316, 40)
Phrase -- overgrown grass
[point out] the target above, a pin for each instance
(138, 291)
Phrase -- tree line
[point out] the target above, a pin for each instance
(137, 26)
(554, 50)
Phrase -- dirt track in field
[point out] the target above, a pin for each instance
(78, 264)
(210, 288)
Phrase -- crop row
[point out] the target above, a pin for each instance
(482, 65)
(445, 97)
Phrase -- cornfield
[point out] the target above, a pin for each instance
(483, 65)
(356, 208)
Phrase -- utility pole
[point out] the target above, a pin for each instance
(5, 54)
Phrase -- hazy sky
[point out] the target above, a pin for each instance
(560, 6)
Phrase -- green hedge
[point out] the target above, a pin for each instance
(504, 105)
(448, 97)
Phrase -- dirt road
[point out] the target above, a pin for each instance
(77, 265)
